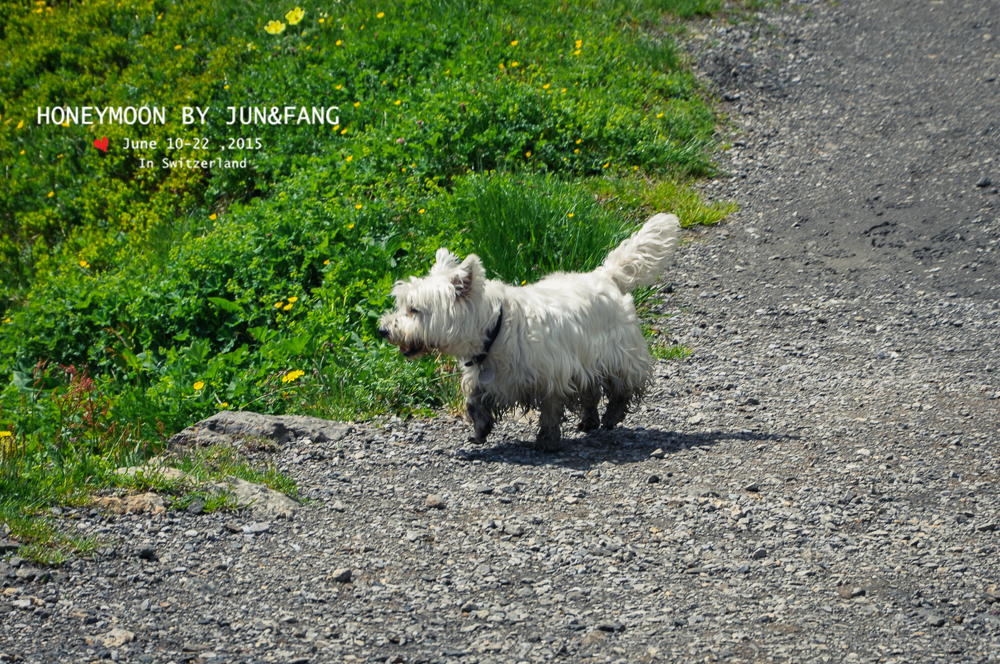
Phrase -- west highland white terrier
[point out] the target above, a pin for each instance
(558, 343)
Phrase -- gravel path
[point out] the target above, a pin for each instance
(816, 483)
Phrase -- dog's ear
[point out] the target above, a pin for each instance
(470, 271)
(445, 261)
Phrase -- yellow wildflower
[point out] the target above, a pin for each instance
(527, 154)
(571, 214)
(659, 116)
(199, 385)
(293, 300)
(178, 47)
(339, 42)
(293, 17)
(5, 434)
(274, 28)
(380, 15)
(420, 211)
(213, 216)
(546, 86)
(350, 226)
(20, 124)
(337, 87)
(326, 262)
(291, 376)
(357, 207)
(349, 157)
(84, 264)
(287, 307)
(513, 64)
(6, 320)
(514, 43)
(51, 194)
(398, 102)
(278, 305)
(356, 104)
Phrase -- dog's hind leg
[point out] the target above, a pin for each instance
(481, 416)
(589, 417)
(550, 417)
(618, 400)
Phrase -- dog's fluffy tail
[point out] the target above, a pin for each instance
(639, 260)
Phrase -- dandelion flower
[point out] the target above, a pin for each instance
(274, 28)
(20, 124)
(225, 87)
(51, 194)
(84, 264)
(197, 386)
(178, 47)
(322, 20)
(514, 43)
(527, 154)
(356, 104)
(6, 320)
(576, 151)
(398, 102)
(339, 42)
(350, 226)
(287, 307)
(5, 434)
(571, 214)
(420, 211)
(576, 52)
(380, 15)
(579, 43)
(278, 305)
(524, 282)
(501, 65)
(358, 206)
(295, 16)
(337, 87)
(659, 116)
(213, 217)
(350, 157)
(546, 86)
(293, 300)
(326, 262)
(291, 376)
(224, 404)
(513, 64)
(606, 165)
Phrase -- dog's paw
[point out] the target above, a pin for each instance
(548, 440)
(477, 440)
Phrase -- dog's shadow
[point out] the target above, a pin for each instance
(619, 446)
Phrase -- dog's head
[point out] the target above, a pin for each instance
(443, 311)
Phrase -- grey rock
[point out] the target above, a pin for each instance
(341, 575)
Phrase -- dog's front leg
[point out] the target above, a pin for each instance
(549, 420)
(480, 414)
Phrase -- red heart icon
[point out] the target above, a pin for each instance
(102, 144)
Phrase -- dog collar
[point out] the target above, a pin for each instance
(491, 336)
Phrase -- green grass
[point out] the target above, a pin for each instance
(536, 133)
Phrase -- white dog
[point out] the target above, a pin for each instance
(558, 343)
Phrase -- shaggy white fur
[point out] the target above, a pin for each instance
(558, 343)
